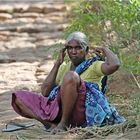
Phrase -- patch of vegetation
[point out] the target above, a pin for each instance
(114, 24)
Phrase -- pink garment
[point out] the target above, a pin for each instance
(39, 104)
(51, 110)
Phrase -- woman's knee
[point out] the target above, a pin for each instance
(71, 77)
(24, 110)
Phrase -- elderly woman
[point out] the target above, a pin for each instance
(71, 92)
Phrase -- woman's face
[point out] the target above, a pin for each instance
(76, 52)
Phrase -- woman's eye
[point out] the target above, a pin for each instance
(76, 47)
(69, 47)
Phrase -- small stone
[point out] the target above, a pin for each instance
(5, 16)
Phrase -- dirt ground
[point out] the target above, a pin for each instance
(29, 31)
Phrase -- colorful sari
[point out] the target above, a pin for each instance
(98, 110)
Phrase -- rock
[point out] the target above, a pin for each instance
(43, 20)
(54, 8)
(5, 59)
(56, 16)
(30, 28)
(5, 8)
(20, 8)
(26, 15)
(35, 9)
(46, 42)
(5, 16)
(8, 28)
(44, 36)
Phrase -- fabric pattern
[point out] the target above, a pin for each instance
(98, 110)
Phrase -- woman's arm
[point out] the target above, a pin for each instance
(112, 62)
(49, 82)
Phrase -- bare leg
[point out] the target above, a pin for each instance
(29, 114)
(69, 93)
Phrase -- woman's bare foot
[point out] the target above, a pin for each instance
(59, 128)
(51, 127)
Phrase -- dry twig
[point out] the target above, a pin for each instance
(135, 80)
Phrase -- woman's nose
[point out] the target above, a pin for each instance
(73, 50)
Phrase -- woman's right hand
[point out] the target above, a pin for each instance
(61, 56)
